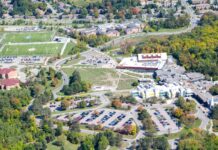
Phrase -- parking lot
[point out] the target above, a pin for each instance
(22, 60)
(113, 119)
(165, 123)
(56, 105)
(98, 59)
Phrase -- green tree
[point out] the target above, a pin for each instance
(74, 137)
(102, 143)
(87, 144)
(65, 104)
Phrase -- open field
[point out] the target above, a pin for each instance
(31, 49)
(68, 48)
(25, 37)
(96, 76)
(67, 145)
(84, 2)
(125, 82)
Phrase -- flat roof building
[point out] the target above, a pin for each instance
(172, 90)
(144, 62)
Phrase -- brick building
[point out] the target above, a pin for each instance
(8, 79)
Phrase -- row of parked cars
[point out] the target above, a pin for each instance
(117, 120)
(161, 118)
(173, 118)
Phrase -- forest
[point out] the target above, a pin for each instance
(196, 51)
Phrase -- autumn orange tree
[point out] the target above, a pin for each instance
(116, 103)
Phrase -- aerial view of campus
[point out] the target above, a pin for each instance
(108, 74)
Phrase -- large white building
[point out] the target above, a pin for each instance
(213, 101)
(146, 62)
(150, 90)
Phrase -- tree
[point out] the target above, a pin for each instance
(116, 103)
(135, 83)
(132, 129)
(65, 104)
(188, 120)
(74, 126)
(58, 75)
(59, 142)
(148, 125)
(143, 114)
(214, 90)
(82, 104)
(1, 9)
(161, 143)
(115, 139)
(102, 143)
(74, 137)
(178, 112)
(96, 13)
(75, 77)
(214, 112)
(54, 82)
(189, 144)
(87, 144)
(83, 13)
(59, 130)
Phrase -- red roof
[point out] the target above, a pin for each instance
(9, 82)
(140, 68)
(151, 56)
(6, 70)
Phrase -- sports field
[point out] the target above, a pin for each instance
(26, 37)
(32, 49)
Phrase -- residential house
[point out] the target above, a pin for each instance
(88, 32)
(113, 33)
(8, 73)
(132, 30)
(8, 79)
(7, 84)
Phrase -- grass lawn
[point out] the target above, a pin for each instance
(74, 61)
(196, 124)
(96, 76)
(171, 30)
(68, 48)
(25, 37)
(84, 2)
(67, 145)
(134, 74)
(32, 49)
(114, 148)
(125, 82)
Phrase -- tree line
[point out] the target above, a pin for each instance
(196, 51)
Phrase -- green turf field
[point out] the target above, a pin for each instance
(25, 37)
(32, 49)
